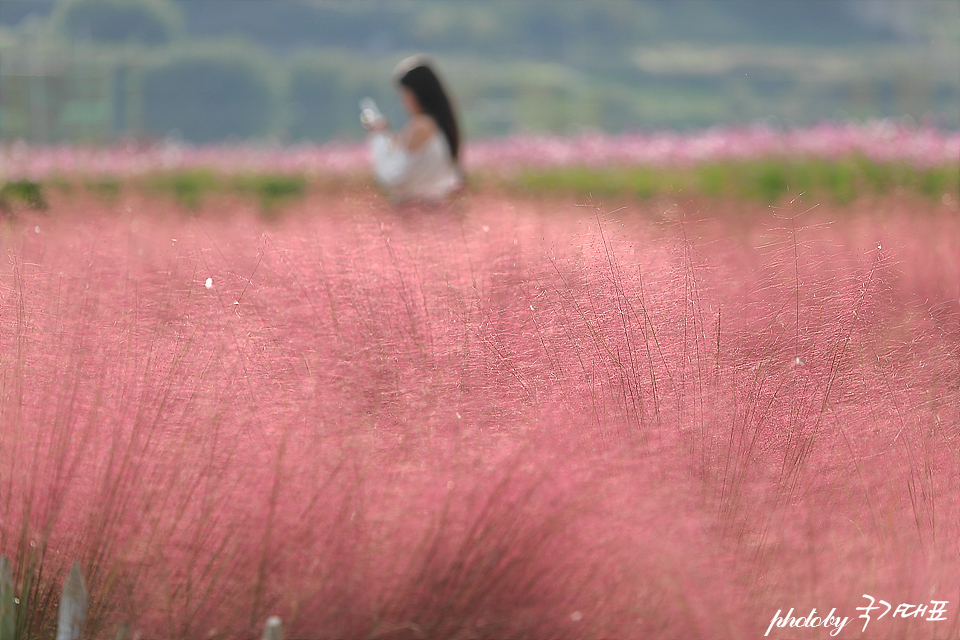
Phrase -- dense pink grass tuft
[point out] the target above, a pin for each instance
(516, 420)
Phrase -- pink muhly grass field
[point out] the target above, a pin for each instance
(521, 419)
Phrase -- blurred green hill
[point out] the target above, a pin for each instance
(290, 70)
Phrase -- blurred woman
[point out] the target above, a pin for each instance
(421, 161)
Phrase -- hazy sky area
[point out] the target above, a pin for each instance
(293, 70)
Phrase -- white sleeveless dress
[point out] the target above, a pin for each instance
(427, 173)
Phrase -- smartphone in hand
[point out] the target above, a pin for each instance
(369, 113)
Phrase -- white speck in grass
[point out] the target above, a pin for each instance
(209, 283)
(486, 228)
(576, 616)
(458, 415)
(273, 628)
(36, 229)
(797, 362)
(16, 601)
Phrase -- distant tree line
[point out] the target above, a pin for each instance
(150, 22)
(295, 69)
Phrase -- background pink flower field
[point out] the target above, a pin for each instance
(878, 141)
(515, 418)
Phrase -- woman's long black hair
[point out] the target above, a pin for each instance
(415, 73)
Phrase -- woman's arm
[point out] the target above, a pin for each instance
(390, 159)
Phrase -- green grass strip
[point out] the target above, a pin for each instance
(767, 181)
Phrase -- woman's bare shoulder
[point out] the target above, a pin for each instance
(419, 130)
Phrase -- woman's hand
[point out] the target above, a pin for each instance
(372, 121)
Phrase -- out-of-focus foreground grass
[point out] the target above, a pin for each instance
(512, 419)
